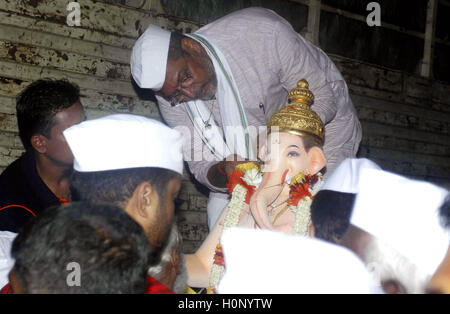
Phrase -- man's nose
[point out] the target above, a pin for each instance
(188, 91)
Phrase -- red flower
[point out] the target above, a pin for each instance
(218, 256)
(236, 178)
(311, 180)
(298, 191)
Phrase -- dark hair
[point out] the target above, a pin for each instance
(175, 49)
(444, 213)
(330, 214)
(39, 102)
(111, 249)
(117, 186)
(309, 143)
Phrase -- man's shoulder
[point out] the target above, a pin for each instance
(14, 199)
(12, 177)
(256, 13)
(15, 191)
(243, 18)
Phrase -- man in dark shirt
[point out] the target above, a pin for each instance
(40, 177)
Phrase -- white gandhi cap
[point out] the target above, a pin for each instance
(403, 214)
(122, 141)
(267, 262)
(345, 178)
(149, 58)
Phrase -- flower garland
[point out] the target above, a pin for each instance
(303, 188)
(242, 184)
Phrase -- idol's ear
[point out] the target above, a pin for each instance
(317, 160)
(262, 153)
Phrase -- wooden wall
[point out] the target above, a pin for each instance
(405, 117)
(36, 42)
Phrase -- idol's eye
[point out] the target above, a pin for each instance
(293, 154)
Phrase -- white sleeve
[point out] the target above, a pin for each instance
(6, 261)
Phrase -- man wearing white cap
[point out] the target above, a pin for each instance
(125, 160)
(232, 75)
(333, 204)
(396, 230)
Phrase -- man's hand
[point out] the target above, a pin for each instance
(229, 164)
(219, 173)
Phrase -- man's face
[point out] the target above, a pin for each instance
(57, 148)
(160, 225)
(14, 283)
(189, 78)
(395, 273)
(172, 269)
(440, 282)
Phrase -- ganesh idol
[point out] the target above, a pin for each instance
(274, 193)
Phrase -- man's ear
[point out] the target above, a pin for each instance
(317, 160)
(39, 143)
(146, 200)
(192, 47)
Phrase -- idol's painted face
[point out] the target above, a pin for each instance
(188, 78)
(284, 157)
(284, 151)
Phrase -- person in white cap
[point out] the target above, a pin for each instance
(126, 160)
(228, 78)
(169, 267)
(267, 262)
(333, 204)
(133, 162)
(396, 230)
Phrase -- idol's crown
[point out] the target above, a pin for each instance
(297, 117)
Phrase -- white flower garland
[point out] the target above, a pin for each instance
(303, 209)
(231, 220)
(236, 203)
(302, 216)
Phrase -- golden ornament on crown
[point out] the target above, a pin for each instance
(297, 117)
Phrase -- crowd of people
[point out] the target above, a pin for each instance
(90, 206)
